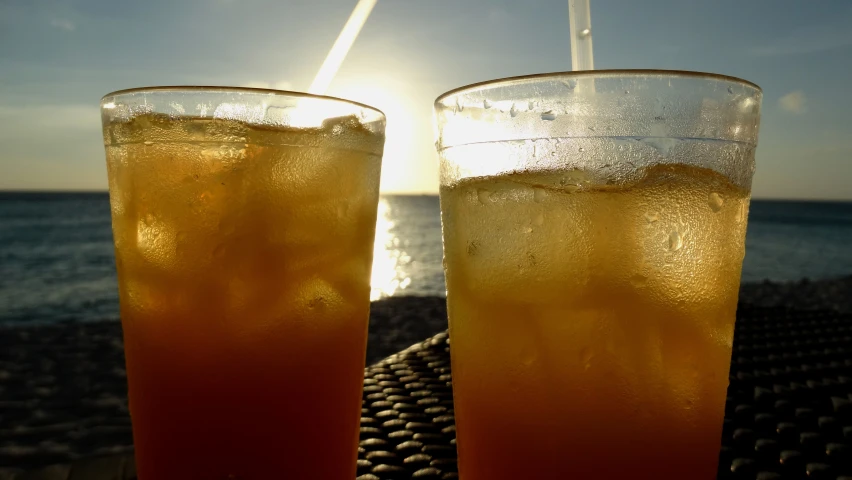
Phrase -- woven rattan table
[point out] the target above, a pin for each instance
(788, 412)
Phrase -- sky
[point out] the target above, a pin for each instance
(59, 57)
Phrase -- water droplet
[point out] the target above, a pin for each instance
(586, 356)
(663, 145)
(716, 201)
(742, 212)
(581, 149)
(483, 195)
(638, 280)
(548, 116)
(585, 32)
(652, 217)
(627, 92)
(486, 104)
(528, 355)
(570, 83)
(528, 230)
(227, 226)
(148, 142)
(318, 302)
(675, 241)
(531, 105)
(539, 195)
(539, 219)
(459, 106)
(513, 112)
(342, 210)
(731, 90)
(219, 250)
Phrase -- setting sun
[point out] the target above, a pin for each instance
(408, 165)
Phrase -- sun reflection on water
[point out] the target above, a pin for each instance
(389, 260)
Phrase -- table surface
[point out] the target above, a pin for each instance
(788, 413)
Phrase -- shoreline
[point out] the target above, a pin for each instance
(63, 385)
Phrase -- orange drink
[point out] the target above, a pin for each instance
(243, 246)
(593, 267)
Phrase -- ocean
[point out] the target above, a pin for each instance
(57, 264)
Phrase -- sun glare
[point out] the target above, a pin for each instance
(399, 134)
(388, 259)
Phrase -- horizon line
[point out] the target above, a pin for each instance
(404, 194)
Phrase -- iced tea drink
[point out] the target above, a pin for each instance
(592, 280)
(243, 237)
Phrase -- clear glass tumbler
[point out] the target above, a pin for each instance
(243, 222)
(594, 226)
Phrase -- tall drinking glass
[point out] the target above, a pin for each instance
(594, 227)
(243, 222)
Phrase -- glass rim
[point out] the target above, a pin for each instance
(214, 88)
(593, 73)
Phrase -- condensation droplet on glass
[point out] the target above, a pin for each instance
(513, 112)
(181, 237)
(586, 356)
(539, 195)
(716, 201)
(227, 226)
(528, 230)
(652, 217)
(675, 241)
(581, 149)
(571, 84)
(731, 90)
(627, 92)
(148, 142)
(742, 212)
(663, 145)
(528, 355)
(548, 116)
(585, 32)
(342, 209)
(483, 195)
(486, 104)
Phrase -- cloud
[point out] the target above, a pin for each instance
(284, 85)
(63, 24)
(793, 102)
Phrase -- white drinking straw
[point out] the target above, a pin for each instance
(341, 46)
(580, 28)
